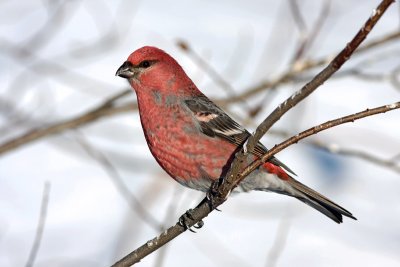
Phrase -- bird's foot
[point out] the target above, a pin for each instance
(213, 195)
(188, 216)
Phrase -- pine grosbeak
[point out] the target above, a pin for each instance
(194, 140)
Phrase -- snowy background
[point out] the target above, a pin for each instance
(58, 60)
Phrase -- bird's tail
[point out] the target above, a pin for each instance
(318, 201)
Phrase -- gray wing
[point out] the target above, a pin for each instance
(214, 122)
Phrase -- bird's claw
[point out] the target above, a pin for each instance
(199, 224)
(183, 221)
(213, 194)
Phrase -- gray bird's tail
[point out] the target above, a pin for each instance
(319, 202)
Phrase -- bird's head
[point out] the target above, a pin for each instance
(150, 68)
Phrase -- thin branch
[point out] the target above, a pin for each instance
(334, 149)
(112, 172)
(315, 130)
(51, 69)
(306, 40)
(368, 46)
(396, 157)
(22, 53)
(52, 26)
(203, 209)
(298, 17)
(40, 227)
(169, 215)
(105, 109)
(213, 74)
(302, 66)
(280, 241)
(394, 77)
(389, 163)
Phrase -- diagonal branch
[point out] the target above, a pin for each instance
(389, 163)
(280, 241)
(105, 109)
(112, 172)
(40, 227)
(302, 66)
(315, 130)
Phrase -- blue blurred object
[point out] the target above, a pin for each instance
(330, 166)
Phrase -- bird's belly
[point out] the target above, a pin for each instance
(194, 160)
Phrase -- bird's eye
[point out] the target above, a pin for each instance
(145, 64)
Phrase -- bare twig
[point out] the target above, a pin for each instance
(112, 172)
(334, 149)
(389, 163)
(317, 129)
(303, 66)
(306, 40)
(42, 66)
(169, 215)
(50, 28)
(394, 77)
(280, 241)
(214, 75)
(396, 157)
(298, 17)
(105, 109)
(40, 227)
(370, 45)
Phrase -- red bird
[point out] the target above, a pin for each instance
(194, 140)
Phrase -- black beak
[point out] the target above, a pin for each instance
(126, 70)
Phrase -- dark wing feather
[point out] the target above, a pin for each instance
(215, 122)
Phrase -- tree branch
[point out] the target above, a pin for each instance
(388, 163)
(302, 66)
(105, 109)
(334, 149)
(280, 241)
(315, 130)
(118, 182)
(40, 226)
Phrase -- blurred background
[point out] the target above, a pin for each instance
(79, 187)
